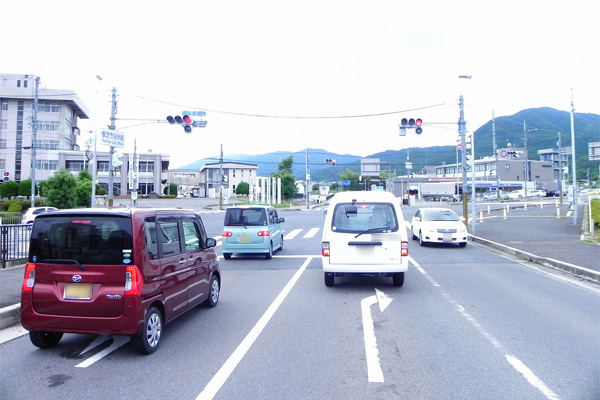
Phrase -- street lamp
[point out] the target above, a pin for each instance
(462, 131)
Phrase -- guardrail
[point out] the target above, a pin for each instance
(14, 242)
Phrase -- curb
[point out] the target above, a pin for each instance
(10, 315)
(575, 270)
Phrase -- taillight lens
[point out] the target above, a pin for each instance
(264, 233)
(227, 234)
(325, 249)
(133, 281)
(29, 278)
(404, 250)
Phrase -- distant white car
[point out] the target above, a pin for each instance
(536, 193)
(33, 212)
(516, 194)
(438, 225)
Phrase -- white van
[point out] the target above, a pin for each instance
(364, 233)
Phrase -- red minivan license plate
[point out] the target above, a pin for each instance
(78, 291)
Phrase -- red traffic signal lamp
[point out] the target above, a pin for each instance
(186, 121)
(411, 123)
(6, 177)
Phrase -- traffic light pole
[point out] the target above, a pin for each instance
(34, 126)
(112, 127)
(463, 152)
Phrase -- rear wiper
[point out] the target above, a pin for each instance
(382, 228)
(65, 261)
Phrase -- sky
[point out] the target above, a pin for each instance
(280, 75)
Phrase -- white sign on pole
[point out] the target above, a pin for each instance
(112, 138)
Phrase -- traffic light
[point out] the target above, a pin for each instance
(186, 121)
(330, 161)
(418, 123)
(513, 154)
(6, 177)
(411, 123)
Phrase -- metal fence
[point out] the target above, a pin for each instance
(14, 242)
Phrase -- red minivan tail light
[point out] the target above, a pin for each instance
(404, 249)
(264, 233)
(29, 278)
(325, 249)
(133, 281)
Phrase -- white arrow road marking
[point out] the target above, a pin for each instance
(374, 371)
(118, 341)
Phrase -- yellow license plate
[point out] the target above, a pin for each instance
(245, 238)
(78, 291)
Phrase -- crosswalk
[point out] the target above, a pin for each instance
(300, 233)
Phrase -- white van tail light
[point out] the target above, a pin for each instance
(133, 281)
(29, 278)
(404, 249)
(325, 249)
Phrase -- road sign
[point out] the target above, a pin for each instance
(345, 182)
(112, 138)
(194, 113)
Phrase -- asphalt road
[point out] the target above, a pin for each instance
(468, 323)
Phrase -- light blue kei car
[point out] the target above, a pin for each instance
(252, 230)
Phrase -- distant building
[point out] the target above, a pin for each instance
(201, 178)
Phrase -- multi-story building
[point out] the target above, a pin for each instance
(57, 139)
(58, 114)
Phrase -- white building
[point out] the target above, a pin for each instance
(58, 114)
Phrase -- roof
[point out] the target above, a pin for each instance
(211, 163)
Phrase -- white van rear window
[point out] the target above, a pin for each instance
(360, 217)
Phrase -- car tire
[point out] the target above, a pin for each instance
(421, 241)
(269, 253)
(398, 279)
(281, 243)
(329, 279)
(45, 340)
(414, 237)
(227, 256)
(462, 244)
(148, 341)
(214, 292)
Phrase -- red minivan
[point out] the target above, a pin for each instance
(116, 271)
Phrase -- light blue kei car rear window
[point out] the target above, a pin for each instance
(252, 216)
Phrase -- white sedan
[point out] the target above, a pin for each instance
(438, 225)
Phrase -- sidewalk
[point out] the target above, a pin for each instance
(534, 233)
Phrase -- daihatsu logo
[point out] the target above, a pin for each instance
(76, 278)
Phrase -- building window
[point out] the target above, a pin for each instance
(49, 126)
(74, 165)
(49, 107)
(2, 143)
(103, 166)
(3, 124)
(2, 163)
(18, 83)
(4, 105)
(46, 165)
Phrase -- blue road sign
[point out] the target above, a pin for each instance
(345, 183)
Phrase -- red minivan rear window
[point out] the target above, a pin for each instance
(104, 240)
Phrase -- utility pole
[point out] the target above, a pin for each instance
(495, 155)
(463, 151)
(574, 163)
(221, 180)
(112, 127)
(307, 194)
(526, 161)
(560, 170)
(34, 127)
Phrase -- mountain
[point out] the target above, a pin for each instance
(542, 125)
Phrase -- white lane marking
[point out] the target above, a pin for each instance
(119, 341)
(98, 340)
(292, 234)
(374, 371)
(311, 233)
(517, 364)
(219, 379)
(12, 332)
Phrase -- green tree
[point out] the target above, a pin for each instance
(83, 193)
(352, 177)
(25, 188)
(170, 189)
(288, 181)
(9, 189)
(60, 189)
(286, 165)
(243, 188)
